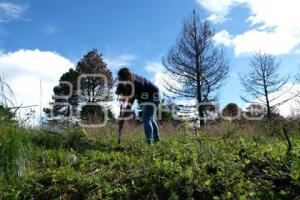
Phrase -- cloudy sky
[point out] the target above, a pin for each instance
(40, 40)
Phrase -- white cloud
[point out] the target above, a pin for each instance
(154, 67)
(220, 7)
(287, 101)
(158, 69)
(276, 43)
(10, 11)
(273, 25)
(160, 76)
(120, 61)
(288, 92)
(216, 18)
(24, 69)
(223, 37)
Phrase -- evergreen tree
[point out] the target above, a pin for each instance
(65, 96)
(95, 85)
(95, 88)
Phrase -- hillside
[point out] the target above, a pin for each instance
(79, 164)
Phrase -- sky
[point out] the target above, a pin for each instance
(40, 40)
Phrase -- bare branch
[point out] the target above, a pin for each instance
(195, 63)
(263, 80)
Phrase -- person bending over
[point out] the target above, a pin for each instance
(132, 87)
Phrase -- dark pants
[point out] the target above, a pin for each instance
(150, 125)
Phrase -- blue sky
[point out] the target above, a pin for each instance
(47, 37)
(146, 28)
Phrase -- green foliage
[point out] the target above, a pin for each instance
(96, 83)
(60, 105)
(15, 152)
(5, 114)
(76, 139)
(75, 165)
(165, 112)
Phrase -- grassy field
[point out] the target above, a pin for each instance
(78, 164)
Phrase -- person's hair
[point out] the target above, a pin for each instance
(125, 74)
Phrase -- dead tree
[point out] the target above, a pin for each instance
(262, 81)
(195, 66)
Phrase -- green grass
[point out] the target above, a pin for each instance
(74, 165)
(15, 152)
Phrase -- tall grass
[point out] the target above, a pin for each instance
(15, 152)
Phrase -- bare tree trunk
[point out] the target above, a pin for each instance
(201, 116)
(267, 100)
(199, 72)
(266, 96)
(268, 107)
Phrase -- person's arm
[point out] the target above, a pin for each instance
(125, 111)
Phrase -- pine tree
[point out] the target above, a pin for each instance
(65, 96)
(95, 85)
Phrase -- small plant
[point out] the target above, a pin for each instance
(77, 139)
